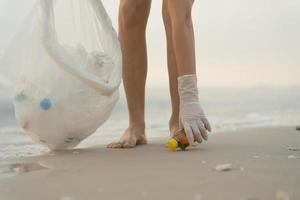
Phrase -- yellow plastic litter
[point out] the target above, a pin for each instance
(172, 144)
(179, 140)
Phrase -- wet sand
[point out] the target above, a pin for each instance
(262, 166)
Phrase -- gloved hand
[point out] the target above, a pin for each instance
(191, 116)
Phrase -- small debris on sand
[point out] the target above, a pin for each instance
(224, 167)
(203, 162)
(197, 197)
(66, 198)
(75, 152)
(100, 190)
(298, 128)
(144, 194)
(242, 168)
(292, 157)
(252, 198)
(255, 156)
(292, 148)
(281, 195)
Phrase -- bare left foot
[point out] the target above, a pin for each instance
(132, 137)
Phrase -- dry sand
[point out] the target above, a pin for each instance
(261, 161)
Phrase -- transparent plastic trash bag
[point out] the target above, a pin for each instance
(70, 62)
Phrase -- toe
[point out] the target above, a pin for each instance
(115, 145)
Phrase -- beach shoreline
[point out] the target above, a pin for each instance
(264, 162)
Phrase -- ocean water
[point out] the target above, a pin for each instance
(226, 109)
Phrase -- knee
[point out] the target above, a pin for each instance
(133, 15)
(180, 13)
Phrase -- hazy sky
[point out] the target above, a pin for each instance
(240, 43)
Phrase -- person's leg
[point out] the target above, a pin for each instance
(182, 35)
(172, 70)
(191, 116)
(133, 17)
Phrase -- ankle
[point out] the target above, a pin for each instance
(134, 125)
(174, 119)
(173, 123)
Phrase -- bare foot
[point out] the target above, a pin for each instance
(132, 137)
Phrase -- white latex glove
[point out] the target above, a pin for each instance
(191, 116)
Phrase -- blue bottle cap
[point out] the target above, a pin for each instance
(46, 104)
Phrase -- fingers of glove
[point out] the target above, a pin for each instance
(189, 134)
(202, 130)
(196, 132)
(206, 124)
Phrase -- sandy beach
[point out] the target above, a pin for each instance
(64, 63)
(265, 163)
